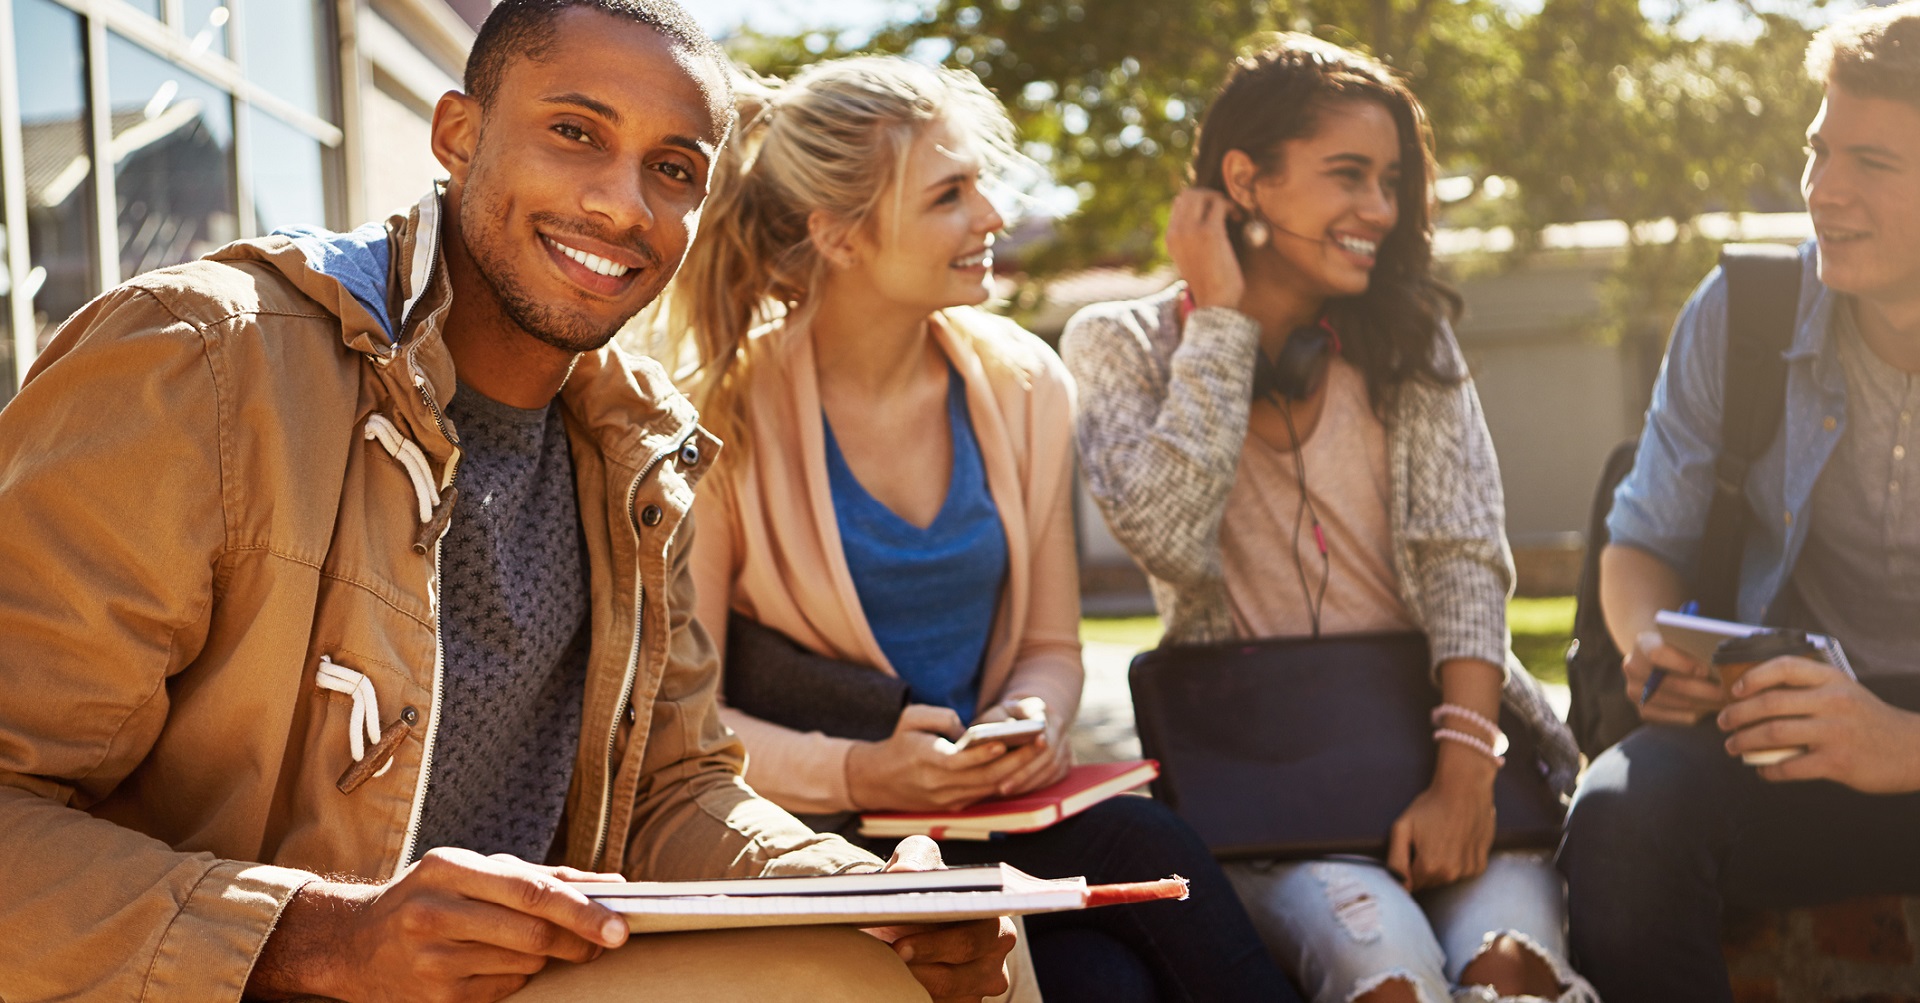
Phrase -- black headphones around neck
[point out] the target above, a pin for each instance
(1301, 366)
(1295, 376)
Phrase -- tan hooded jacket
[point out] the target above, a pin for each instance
(200, 501)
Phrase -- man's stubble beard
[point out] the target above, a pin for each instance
(484, 218)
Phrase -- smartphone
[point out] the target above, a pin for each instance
(1012, 734)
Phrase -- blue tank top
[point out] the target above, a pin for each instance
(929, 594)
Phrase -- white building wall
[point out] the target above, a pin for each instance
(407, 54)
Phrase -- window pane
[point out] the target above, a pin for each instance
(9, 376)
(289, 186)
(283, 53)
(51, 46)
(173, 140)
(206, 25)
(151, 8)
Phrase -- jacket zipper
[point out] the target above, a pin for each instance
(439, 644)
(433, 720)
(633, 663)
(413, 353)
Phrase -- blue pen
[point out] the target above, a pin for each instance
(1659, 675)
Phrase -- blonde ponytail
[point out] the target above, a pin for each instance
(833, 140)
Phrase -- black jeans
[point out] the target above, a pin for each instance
(1203, 950)
(1667, 829)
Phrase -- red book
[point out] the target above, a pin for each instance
(1084, 787)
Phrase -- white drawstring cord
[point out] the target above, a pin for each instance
(364, 725)
(381, 428)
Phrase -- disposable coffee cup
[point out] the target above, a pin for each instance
(1736, 655)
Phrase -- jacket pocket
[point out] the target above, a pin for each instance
(357, 765)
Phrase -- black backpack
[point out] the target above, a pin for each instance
(1763, 302)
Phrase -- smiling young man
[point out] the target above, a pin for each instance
(1670, 826)
(347, 609)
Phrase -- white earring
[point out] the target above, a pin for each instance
(1255, 233)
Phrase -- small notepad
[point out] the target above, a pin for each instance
(1699, 635)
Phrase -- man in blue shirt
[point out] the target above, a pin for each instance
(1670, 826)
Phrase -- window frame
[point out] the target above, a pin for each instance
(166, 39)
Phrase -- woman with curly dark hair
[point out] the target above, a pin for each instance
(1304, 374)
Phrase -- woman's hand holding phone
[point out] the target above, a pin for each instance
(1197, 242)
(1056, 753)
(919, 769)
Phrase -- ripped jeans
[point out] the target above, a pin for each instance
(1343, 926)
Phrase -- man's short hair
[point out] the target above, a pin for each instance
(525, 29)
(1875, 52)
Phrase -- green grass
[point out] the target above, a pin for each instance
(1137, 632)
(1541, 629)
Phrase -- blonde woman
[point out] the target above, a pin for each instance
(895, 496)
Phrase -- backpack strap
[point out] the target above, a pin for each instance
(1763, 307)
(1599, 712)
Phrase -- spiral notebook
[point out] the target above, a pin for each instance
(1699, 635)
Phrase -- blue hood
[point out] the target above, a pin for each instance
(358, 260)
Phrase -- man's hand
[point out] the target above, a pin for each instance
(455, 927)
(918, 770)
(1851, 736)
(954, 962)
(1056, 753)
(1446, 833)
(1687, 694)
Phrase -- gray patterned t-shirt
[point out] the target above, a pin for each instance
(513, 622)
(1858, 577)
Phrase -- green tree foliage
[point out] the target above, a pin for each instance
(782, 55)
(1617, 117)
(1106, 94)
(1109, 92)
(1596, 110)
(1590, 108)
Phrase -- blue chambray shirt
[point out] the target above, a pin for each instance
(1661, 507)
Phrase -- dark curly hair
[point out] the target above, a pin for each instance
(1391, 331)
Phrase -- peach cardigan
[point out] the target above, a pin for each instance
(768, 542)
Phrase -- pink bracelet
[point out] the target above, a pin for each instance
(1478, 744)
(1467, 714)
